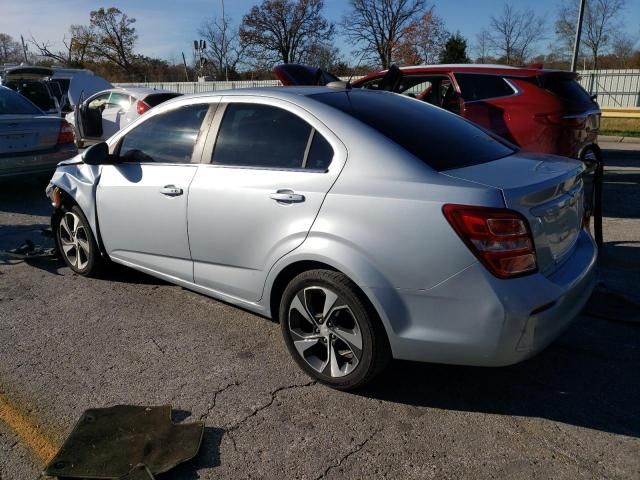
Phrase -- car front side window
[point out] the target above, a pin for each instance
(165, 138)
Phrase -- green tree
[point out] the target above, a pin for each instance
(455, 50)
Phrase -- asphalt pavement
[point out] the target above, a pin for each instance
(68, 343)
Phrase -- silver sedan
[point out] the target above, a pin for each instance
(372, 226)
(30, 141)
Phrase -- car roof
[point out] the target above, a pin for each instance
(473, 68)
(140, 91)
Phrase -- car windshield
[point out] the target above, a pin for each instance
(13, 104)
(441, 139)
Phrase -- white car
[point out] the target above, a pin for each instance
(104, 113)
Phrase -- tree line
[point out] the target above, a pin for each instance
(380, 33)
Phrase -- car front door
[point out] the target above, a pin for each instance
(114, 110)
(142, 199)
(272, 165)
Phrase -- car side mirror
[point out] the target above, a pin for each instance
(97, 154)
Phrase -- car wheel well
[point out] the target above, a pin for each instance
(295, 269)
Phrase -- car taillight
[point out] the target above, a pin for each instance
(66, 134)
(563, 120)
(142, 107)
(498, 237)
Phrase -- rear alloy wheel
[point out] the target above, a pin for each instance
(330, 332)
(75, 242)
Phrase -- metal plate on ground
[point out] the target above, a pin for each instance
(107, 443)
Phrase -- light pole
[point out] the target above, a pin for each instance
(576, 45)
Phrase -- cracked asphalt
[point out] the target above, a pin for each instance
(68, 343)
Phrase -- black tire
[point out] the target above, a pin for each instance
(361, 365)
(83, 258)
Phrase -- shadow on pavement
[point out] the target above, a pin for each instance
(587, 378)
(208, 457)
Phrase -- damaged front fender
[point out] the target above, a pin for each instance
(79, 181)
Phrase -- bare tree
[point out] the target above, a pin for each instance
(380, 26)
(284, 30)
(224, 49)
(622, 47)
(422, 41)
(76, 47)
(323, 56)
(601, 21)
(483, 46)
(514, 33)
(10, 50)
(113, 36)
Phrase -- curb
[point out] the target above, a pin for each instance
(617, 139)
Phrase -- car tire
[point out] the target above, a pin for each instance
(75, 241)
(333, 335)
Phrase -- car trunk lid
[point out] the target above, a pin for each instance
(26, 133)
(547, 190)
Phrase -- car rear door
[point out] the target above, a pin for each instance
(142, 199)
(486, 102)
(272, 165)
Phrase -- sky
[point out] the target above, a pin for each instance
(167, 27)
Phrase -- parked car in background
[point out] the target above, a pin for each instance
(32, 83)
(30, 141)
(369, 224)
(539, 110)
(54, 90)
(104, 113)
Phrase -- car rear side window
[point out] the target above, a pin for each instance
(165, 138)
(263, 136)
(13, 104)
(482, 87)
(441, 139)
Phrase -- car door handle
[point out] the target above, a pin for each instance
(287, 196)
(171, 191)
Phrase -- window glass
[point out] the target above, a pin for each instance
(120, 100)
(99, 101)
(165, 138)
(320, 153)
(482, 87)
(255, 135)
(35, 91)
(442, 140)
(13, 104)
(157, 98)
(566, 88)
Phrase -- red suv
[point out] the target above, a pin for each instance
(539, 110)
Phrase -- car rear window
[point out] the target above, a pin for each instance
(475, 86)
(35, 91)
(441, 139)
(13, 104)
(566, 88)
(157, 98)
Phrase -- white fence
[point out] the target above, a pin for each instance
(615, 88)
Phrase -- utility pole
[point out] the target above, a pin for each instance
(186, 70)
(576, 45)
(24, 50)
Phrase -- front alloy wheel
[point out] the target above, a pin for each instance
(330, 331)
(75, 241)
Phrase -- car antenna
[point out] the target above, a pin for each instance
(353, 71)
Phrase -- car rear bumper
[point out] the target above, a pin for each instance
(474, 318)
(35, 162)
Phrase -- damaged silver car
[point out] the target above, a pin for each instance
(371, 225)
